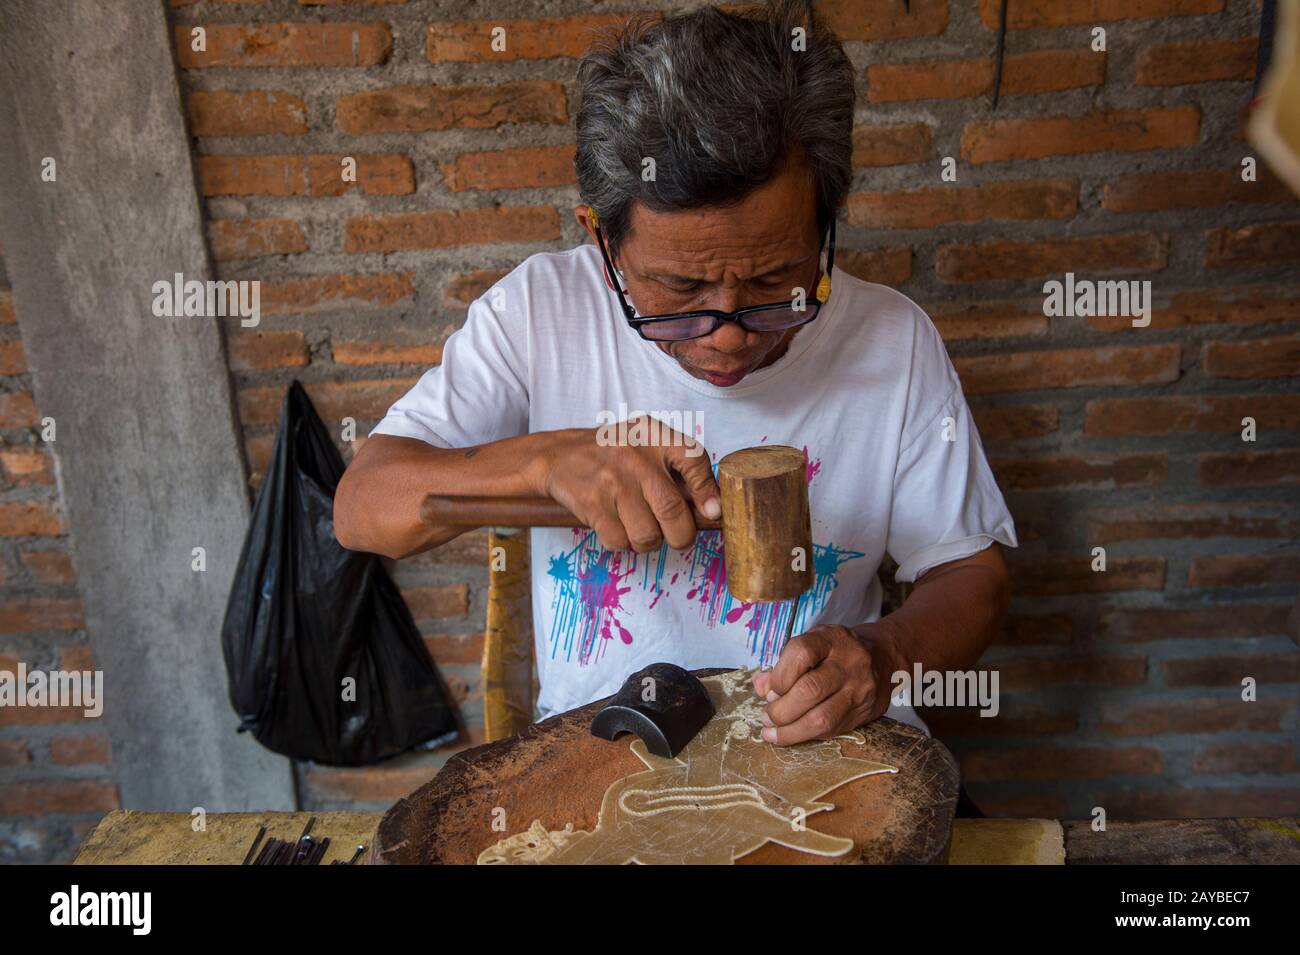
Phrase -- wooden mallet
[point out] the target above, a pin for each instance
(766, 528)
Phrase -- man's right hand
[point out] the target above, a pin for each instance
(633, 496)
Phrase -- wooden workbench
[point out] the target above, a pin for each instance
(127, 837)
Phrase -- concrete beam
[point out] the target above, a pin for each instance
(150, 465)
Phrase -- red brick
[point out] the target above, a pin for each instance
(450, 600)
(41, 797)
(1172, 521)
(1095, 472)
(1249, 469)
(310, 294)
(1207, 623)
(26, 465)
(1046, 576)
(1187, 803)
(1015, 422)
(252, 238)
(406, 231)
(386, 352)
(1231, 670)
(258, 451)
(1200, 61)
(334, 401)
(1053, 628)
(30, 614)
(1213, 715)
(1060, 670)
(7, 314)
(1246, 758)
(1035, 527)
(41, 715)
(1245, 570)
(993, 201)
(888, 266)
(1032, 806)
(463, 287)
(253, 113)
(12, 359)
(79, 750)
(79, 656)
(386, 174)
(1061, 762)
(1042, 71)
(1197, 413)
(891, 145)
(49, 566)
(17, 410)
(1245, 305)
(420, 109)
(1263, 244)
(1010, 722)
(287, 44)
(463, 691)
(883, 19)
(451, 648)
(1055, 13)
(1026, 259)
(30, 519)
(532, 167)
(469, 549)
(1073, 368)
(1189, 189)
(470, 41)
(986, 320)
(1257, 358)
(1125, 130)
(253, 350)
(14, 752)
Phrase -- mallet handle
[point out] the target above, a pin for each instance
(440, 510)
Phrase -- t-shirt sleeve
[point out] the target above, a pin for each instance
(477, 394)
(946, 503)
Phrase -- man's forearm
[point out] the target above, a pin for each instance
(634, 495)
(952, 615)
(377, 506)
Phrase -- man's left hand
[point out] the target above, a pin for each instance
(828, 681)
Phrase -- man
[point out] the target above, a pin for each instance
(713, 152)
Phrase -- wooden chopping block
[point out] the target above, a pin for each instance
(557, 773)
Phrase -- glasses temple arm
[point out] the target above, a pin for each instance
(628, 311)
(830, 250)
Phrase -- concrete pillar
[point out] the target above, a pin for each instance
(147, 438)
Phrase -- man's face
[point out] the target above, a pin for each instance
(752, 253)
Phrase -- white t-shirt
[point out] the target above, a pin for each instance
(895, 464)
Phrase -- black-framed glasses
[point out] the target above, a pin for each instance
(683, 326)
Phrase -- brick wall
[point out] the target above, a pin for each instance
(55, 774)
(1121, 688)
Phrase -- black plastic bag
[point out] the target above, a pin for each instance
(304, 615)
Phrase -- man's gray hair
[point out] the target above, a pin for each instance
(719, 101)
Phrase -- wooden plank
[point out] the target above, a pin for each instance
(1007, 842)
(1186, 841)
(126, 837)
